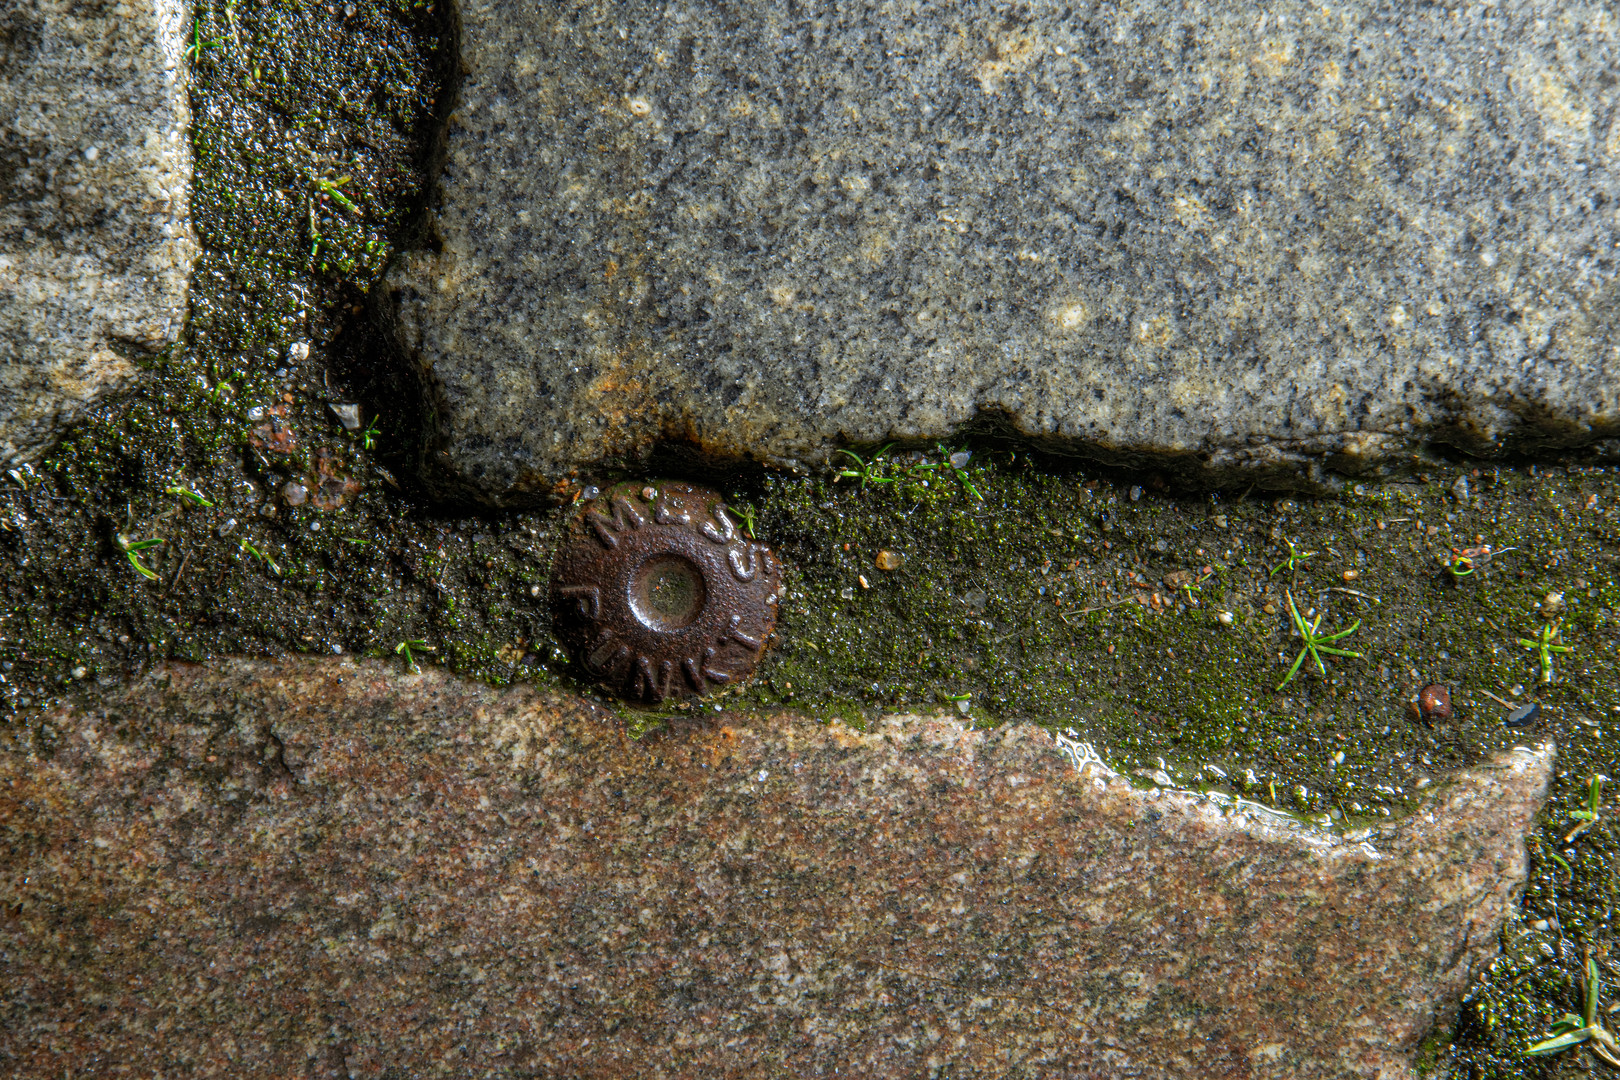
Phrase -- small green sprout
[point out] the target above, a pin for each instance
(1315, 644)
(1545, 645)
(262, 557)
(963, 701)
(1294, 561)
(746, 513)
(1464, 561)
(867, 472)
(194, 51)
(187, 494)
(1572, 1030)
(404, 649)
(949, 461)
(314, 231)
(329, 188)
(131, 548)
(369, 436)
(1589, 816)
(1559, 859)
(1195, 586)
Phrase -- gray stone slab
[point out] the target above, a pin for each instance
(1241, 235)
(95, 171)
(334, 868)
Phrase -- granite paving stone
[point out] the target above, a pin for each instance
(1225, 237)
(331, 868)
(96, 244)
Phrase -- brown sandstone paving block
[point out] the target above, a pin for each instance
(322, 868)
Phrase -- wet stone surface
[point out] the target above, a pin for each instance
(1239, 242)
(326, 868)
(95, 173)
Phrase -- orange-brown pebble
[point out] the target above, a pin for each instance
(1434, 702)
(889, 560)
(1351, 575)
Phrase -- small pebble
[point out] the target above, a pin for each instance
(961, 458)
(298, 350)
(1434, 701)
(889, 560)
(1553, 603)
(862, 579)
(1136, 494)
(294, 493)
(348, 415)
(1351, 575)
(649, 493)
(1459, 490)
(1224, 618)
(1523, 715)
(1270, 609)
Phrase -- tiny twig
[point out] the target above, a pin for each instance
(1353, 592)
(183, 564)
(1100, 607)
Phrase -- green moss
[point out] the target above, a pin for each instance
(1044, 592)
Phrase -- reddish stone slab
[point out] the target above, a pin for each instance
(325, 868)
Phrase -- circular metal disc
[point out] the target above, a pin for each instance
(656, 592)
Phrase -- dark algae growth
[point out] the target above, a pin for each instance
(256, 495)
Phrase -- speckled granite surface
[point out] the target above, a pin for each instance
(1240, 237)
(331, 869)
(95, 171)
